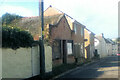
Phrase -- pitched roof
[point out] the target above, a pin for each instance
(57, 11)
(112, 42)
(107, 41)
(33, 25)
(89, 31)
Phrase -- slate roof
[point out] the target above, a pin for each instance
(107, 41)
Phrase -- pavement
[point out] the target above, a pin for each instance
(105, 68)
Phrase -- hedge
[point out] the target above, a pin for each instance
(15, 38)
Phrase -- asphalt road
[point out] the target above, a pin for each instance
(107, 69)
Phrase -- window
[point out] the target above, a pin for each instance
(82, 48)
(69, 48)
(75, 28)
(82, 31)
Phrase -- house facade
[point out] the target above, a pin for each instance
(108, 47)
(97, 45)
(100, 45)
(76, 28)
(62, 45)
(89, 43)
(115, 49)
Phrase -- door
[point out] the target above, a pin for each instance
(64, 51)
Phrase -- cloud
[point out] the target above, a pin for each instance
(16, 10)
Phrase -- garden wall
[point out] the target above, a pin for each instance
(24, 62)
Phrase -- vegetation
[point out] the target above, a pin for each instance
(8, 18)
(15, 38)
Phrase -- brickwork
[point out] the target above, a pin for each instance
(61, 31)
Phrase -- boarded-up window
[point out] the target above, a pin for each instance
(56, 49)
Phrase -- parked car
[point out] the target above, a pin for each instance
(118, 54)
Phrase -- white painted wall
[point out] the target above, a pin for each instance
(35, 61)
(103, 50)
(92, 49)
(16, 63)
(109, 49)
(24, 62)
(48, 59)
(115, 49)
(100, 45)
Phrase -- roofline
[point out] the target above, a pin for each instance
(64, 13)
(89, 30)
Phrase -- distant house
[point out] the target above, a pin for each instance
(108, 47)
(77, 31)
(100, 45)
(115, 49)
(89, 44)
(97, 45)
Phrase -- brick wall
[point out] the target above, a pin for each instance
(61, 31)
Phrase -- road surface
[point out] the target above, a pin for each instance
(107, 68)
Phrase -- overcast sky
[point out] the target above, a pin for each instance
(99, 16)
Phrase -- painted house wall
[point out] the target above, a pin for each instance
(89, 44)
(97, 44)
(101, 46)
(92, 47)
(115, 49)
(109, 48)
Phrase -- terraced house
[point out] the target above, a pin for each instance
(100, 45)
(89, 43)
(77, 32)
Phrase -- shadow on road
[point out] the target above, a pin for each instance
(105, 69)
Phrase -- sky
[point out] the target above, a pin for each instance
(99, 16)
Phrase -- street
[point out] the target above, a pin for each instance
(106, 68)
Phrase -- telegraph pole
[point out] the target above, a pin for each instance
(42, 53)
